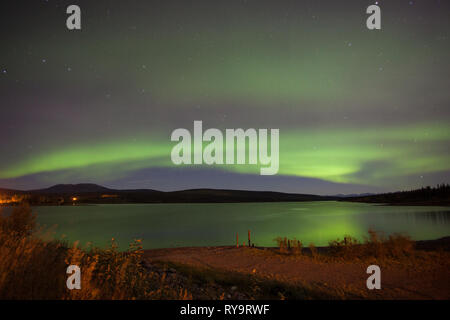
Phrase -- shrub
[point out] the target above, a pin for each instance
(31, 268)
(20, 223)
(282, 243)
(375, 245)
(349, 247)
(399, 245)
(313, 250)
(289, 246)
(297, 247)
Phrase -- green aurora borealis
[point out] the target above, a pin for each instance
(358, 110)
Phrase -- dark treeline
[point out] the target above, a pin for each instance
(439, 195)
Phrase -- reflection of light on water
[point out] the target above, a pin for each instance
(323, 231)
(420, 223)
(166, 225)
(436, 218)
(321, 225)
(262, 217)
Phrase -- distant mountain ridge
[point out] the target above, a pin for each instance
(73, 188)
(93, 193)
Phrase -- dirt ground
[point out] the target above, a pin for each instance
(406, 280)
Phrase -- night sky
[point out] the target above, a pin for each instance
(358, 110)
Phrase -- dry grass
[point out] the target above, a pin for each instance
(292, 246)
(313, 250)
(375, 247)
(31, 268)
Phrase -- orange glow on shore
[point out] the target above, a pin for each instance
(11, 199)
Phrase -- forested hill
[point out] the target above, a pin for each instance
(439, 195)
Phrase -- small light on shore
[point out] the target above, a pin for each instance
(74, 199)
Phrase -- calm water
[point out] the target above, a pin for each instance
(172, 225)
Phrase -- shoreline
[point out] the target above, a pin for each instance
(442, 243)
(228, 272)
(80, 204)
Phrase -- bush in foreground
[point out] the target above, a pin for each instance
(31, 268)
(375, 246)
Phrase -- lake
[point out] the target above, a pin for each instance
(175, 225)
